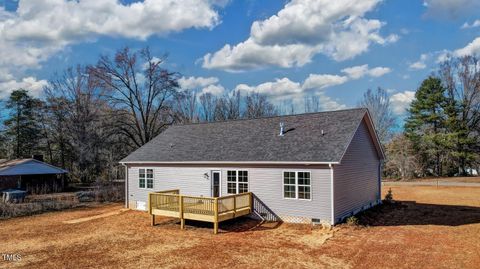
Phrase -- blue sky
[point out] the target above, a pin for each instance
(334, 50)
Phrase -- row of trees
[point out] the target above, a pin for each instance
(93, 116)
(441, 133)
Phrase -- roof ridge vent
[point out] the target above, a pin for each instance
(282, 129)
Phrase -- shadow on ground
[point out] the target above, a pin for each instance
(241, 224)
(412, 213)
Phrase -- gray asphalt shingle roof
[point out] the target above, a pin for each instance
(256, 140)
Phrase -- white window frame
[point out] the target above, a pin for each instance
(146, 178)
(296, 185)
(237, 182)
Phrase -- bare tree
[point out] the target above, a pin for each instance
(186, 107)
(78, 106)
(312, 103)
(378, 104)
(258, 106)
(228, 107)
(402, 162)
(140, 88)
(208, 102)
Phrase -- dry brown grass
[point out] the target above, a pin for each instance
(441, 229)
(443, 179)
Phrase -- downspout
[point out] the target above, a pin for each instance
(332, 217)
(126, 185)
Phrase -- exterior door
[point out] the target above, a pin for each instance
(216, 178)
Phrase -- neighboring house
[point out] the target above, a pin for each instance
(31, 175)
(320, 167)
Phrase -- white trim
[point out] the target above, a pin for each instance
(332, 221)
(146, 178)
(226, 162)
(376, 140)
(296, 184)
(126, 185)
(236, 180)
(219, 182)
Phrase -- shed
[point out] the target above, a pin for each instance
(31, 175)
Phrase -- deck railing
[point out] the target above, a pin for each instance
(211, 209)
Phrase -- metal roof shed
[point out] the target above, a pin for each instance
(30, 174)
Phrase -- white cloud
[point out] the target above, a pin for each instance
(360, 71)
(472, 48)
(204, 84)
(320, 81)
(196, 82)
(39, 29)
(282, 88)
(214, 89)
(401, 101)
(61, 20)
(8, 84)
(420, 64)
(450, 9)
(302, 29)
(474, 24)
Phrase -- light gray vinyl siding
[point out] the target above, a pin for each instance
(266, 183)
(356, 178)
(189, 180)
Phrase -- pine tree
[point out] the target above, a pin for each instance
(425, 125)
(22, 128)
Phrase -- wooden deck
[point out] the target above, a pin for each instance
(172, 204)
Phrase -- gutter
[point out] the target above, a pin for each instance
(126, 185)
(225, 162)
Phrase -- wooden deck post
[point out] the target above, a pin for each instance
(150, 208)
(250, 201)
(180, 210)
(234, 206)
(215, 222)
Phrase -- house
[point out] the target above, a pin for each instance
(31, 175)
(314, 167)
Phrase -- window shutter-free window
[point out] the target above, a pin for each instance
(297, 185)
(237, 181)
(150, 178)
(145, 178)
(231, 182)
(289, 185)
(141, 178)
(242, 181)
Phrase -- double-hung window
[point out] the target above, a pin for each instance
(297, 185)
(237, 181)
(145, 178)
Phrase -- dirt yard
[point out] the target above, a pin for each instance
(430, 228)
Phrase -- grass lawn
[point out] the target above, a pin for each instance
(431, 228)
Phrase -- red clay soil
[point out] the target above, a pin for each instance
(429, 228)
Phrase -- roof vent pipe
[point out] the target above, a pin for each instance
(282, 129)
(323, 133)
